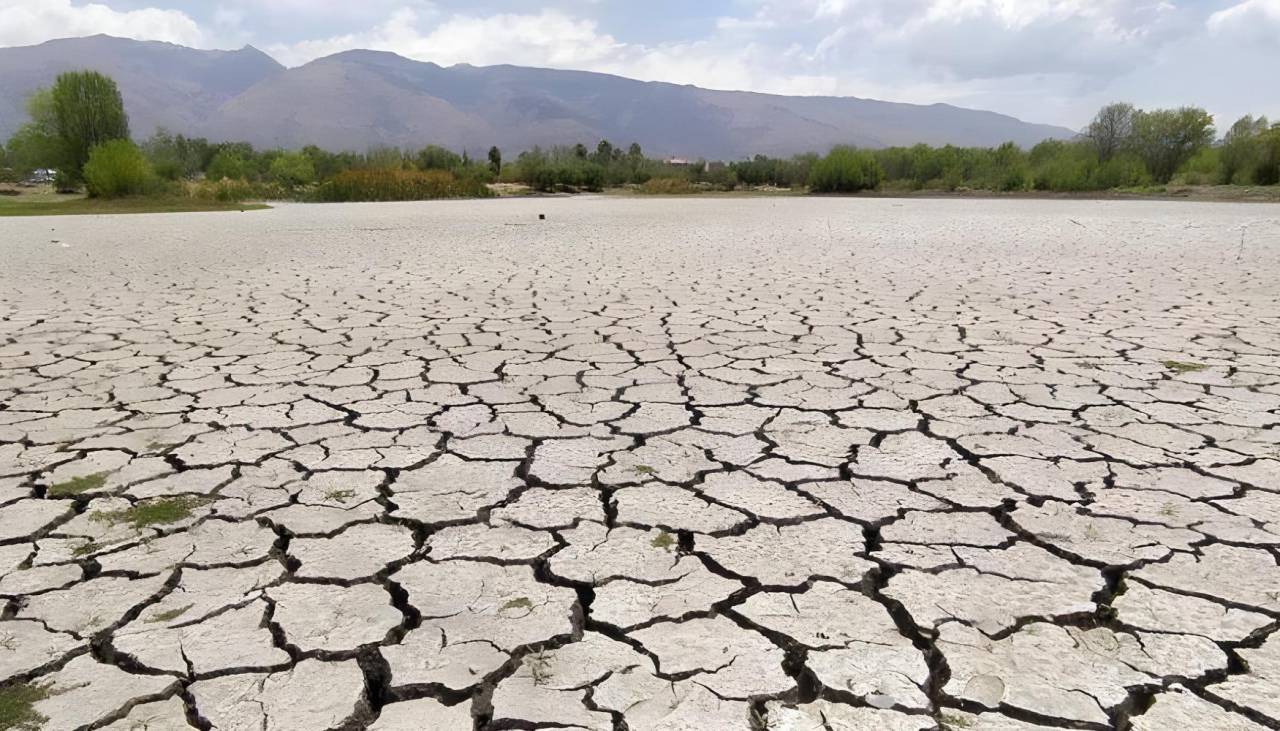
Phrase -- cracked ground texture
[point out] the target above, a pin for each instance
(785, 464)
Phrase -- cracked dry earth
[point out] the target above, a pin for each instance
(785, 464)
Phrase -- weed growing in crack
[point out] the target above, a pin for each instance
(151, 513)
(950, 721)
(644, 469)
(170, 615)
(1169, 510)
(86, 548)
(663, 540)
(78, 485)
(340, 496)
(540, 667)
(17, 707)
(1180, 366)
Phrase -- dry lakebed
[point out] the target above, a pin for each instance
(795, 464)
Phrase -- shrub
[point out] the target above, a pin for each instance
(399, 185)
(227, 164)
(668, 186)
(292, 169)
(229, 190)
(845, 170)
(117, 168)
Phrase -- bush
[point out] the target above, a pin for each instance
(399, 185)
(227, 164)
(845, 170)
(117, 168)
(292, 169)
(229, 190)
(668, 186)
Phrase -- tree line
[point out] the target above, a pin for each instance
(78, 127)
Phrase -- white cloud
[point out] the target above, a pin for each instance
(1257, 20)
(27, 22)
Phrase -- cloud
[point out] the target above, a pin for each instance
(1255, 20)
(29, 22)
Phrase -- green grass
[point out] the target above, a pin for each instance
(1178, 366)
(78, 485)
(29, 206)
(17, 707)
(151, 513)
(170, 615)
(518, 603)
(663, 540)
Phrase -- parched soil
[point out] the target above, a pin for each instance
(728, 463)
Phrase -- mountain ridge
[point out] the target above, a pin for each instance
(359, 98)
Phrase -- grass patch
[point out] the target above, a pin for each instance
(644, 469)
(77, 485)
(663, 540)
(171, 614)
(84, 549)
(151, 513)
(340, 496)
(518, 603)
(94, 206)
(17, 707)
(1180, 366)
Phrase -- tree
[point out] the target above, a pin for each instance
(1242, 150)
(495, 160)
(1111, 129)
(85, 110)
(227, 164)
(1167, 138)
(634, 152)
(116, 168)
(604, 152)
(845, 170)
(434, 157)
(293, 169)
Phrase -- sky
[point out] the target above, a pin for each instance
(1051, 61)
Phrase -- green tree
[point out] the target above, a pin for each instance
(1167, 138)
(495, 160)
(434, 157)
(116, 168)
(228, 164)
(1111, 130)
(845, 170)
(86, 110)
(292, 169)
(1243, 147)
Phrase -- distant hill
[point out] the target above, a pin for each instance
(355, 99)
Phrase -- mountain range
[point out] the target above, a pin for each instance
(356, 99)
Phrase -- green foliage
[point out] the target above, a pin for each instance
(228, 165)
(495, 160)
(17, 707)
(77, 485)
(85, 109)
(432, 157)
(776, 172)
(159, 511)
(399, 185)
(1167, 138)
(292, 169)
(845, 170)
(235, 190)
(668, 186)
(116, 169)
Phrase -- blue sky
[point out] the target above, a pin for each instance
(1051, 61)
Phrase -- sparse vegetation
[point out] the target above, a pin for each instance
(17, 707)
(340, 496)
(399, 185)
(1180, 366)
(845, 170)
(664, 540)
(150, 513)
(77, 485)
(522, 602)
(170, 614)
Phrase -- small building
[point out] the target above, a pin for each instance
(43, 175)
